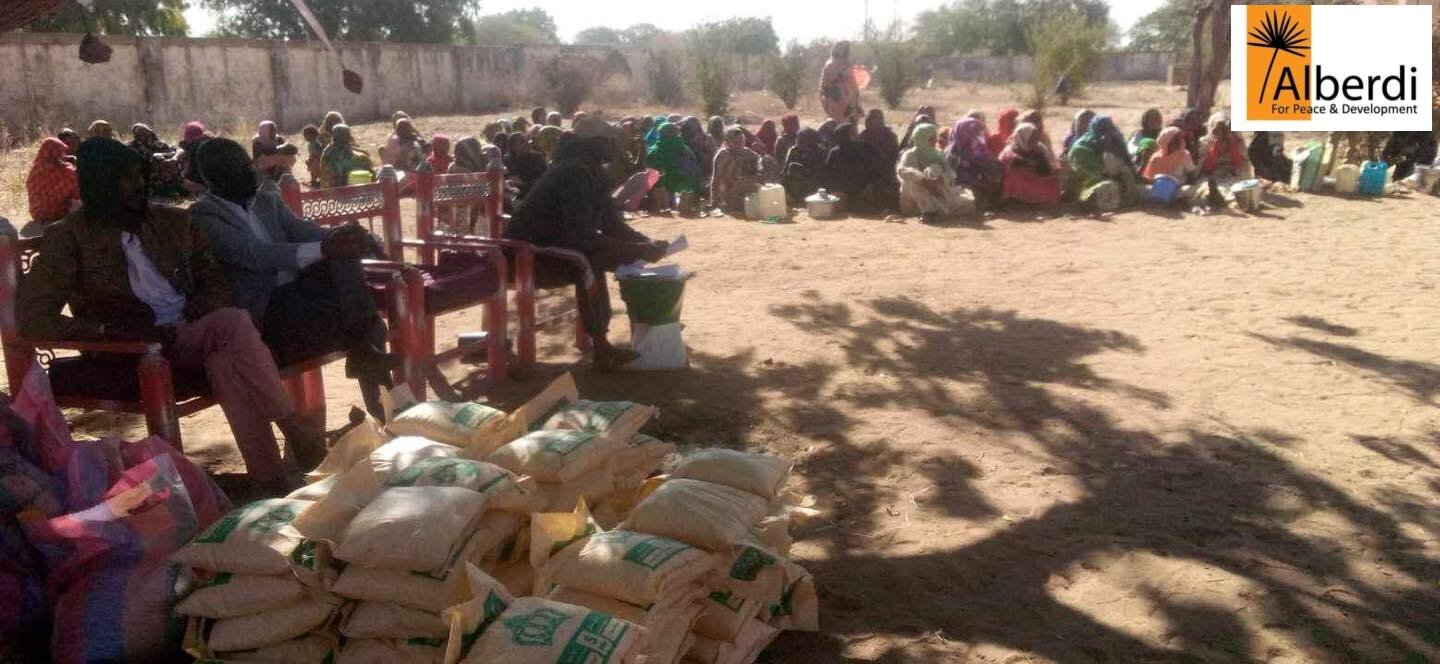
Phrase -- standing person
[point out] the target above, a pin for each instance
(927, 183)
(313, 150)
(579, 234)
(1267, 154)
(839, 91)
(302, 285)
(736, 173)
(130, 271)
(1005, 125)
(51, 186)
(858, 172)
(881, 136)
(679, 168)
(1030, 174)
(789, 130)
(975, 167)
(1078, 128)
(804, 166)
(341, 157)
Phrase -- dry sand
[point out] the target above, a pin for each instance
(1150, 437)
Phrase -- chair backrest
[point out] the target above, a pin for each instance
(354, 203)
(446, 203)
(15, 256)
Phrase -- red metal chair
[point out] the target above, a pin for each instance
(132, 376)
(415, 294)
(446, 207)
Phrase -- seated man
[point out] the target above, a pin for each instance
(130, 271)
(302, 284)
(569, 212)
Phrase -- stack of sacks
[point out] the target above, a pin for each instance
(728, 502)
(264, 597)
(495, 627)
(655, 582)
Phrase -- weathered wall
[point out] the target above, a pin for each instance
(168, 81)
(1130, 66)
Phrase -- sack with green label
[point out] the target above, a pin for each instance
(412, 528)
(746, 647)
(555, 456)
(227, 595)
(710, 516)
(631, 567)
(467, 620)
(271, 627)
(760, 474)
(541, 631)
(465, 425)
(258, 538)
(667, 628)
(383, 620)
(328, 517)
(503, 489)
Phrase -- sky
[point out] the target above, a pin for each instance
(793, 19)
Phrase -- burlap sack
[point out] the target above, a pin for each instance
(618, 419)
(255, 539)
(412, 528)
(316, 490)
(353, 447)
(759, 474)
(228, 595)
(463, 425)
(389, 651)
(263, 629)
(382, 620)
(518, 577)
(551, 532)
(327, 519)
(466, 621)
(562, 496)
(702, 514)
(744, 649)
(315, 647)
(725, 614)
(631, 567)
(555, 456)
(667, 629)
(412, 589)
(502, 488)
(542, 631)
(499, 537)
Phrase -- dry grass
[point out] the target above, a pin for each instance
(1124, 100)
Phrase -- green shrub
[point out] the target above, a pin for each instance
(569, 80)
(896, 69)
(786, 75)
(712, 74)
(667, 84)
(1064, 46)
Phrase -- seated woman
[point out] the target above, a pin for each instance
(789, 130)
(327, 127)
(163, 159)
(923, 115)
(101, 129)
(546, 139)
(860, 174)
(1171, 158)
(1223, 161)
(804, 164)
(1100, 156)
(1407, 149)
(1006, 123)
(70, 137)
(523, 166)
(341, 157)
(1078, 128)
(975, 167)
(1267, 155)
(680, 172)
(879, 135)
(192, 134)
(1192, 128)
(927, 183)
(736, 173)
(403, 149)
(52, 186)
(768, 136)
(439, 159)
(1151, 122)
(1035, 117)
(1030, 174)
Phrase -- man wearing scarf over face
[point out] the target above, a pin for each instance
(302, 284)
(130, 271)
(578, 233)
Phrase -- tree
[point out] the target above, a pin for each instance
(517, 26)
(640, 34)
(785, 75)
(952, 29)
(712, 70)
(896, 69)
(599, 35)
(1064, 46)
(433, 21)
(1209, 53)
(1002, 27)
(667, 84)
(118, 17)
(1167, 29)
(741, 36)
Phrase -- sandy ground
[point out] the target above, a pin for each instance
(1150, 437)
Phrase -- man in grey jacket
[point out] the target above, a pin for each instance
(302, 284)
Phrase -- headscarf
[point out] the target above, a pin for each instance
(767, 136)
(100, 128)
(554, 119)
(1192, 127)
(1170, 156)
(968, 155)
(341, 136)
(1078, 128)
(502, 141)
(827, 132)
(1233, 149)
(1005, 126)
(853, 165)
(1149, 117)
(327, 126)
(397, 115)
(267, 136)
(490, 130)
(193, 132)
(924, 154)
(547, 139)
(790, 123)
(679, 170)
(51, 183)
(146, 142)
(439, 158)
(977, 114)
(468, 156)
(716, 128)
(1103, 136)
(699, 141)
(808, 150)
(1025, 142)
(1144, 148)
(879, 135)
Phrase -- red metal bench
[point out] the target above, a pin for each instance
(414, 294)
(131, 376)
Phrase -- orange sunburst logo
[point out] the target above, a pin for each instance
(1278, 48)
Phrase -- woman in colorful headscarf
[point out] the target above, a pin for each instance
(1151, 122)
(439, 159)
(923, 115)
(735, 174)
(164, 166)
(789, 130)
(768, 137)
(547, 139)
(839, 91)
(1030, 173)
(679, 170)
(469, 157)
(1267, 155)
(1005, 126)
(1223, 161)
(881, 136)
(1170, 158)
(626, 159)
(927, 183)
(1192, 128)
(1100, 155)
(975, 167)
(700, 143)
(327, 126)
(51, 185)
(192, 134)
(804, 165)
(858, 172)
(341, 157)
(1035, 117)
(1078, 128)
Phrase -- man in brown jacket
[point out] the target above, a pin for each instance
(131, 271)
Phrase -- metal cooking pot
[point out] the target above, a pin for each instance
(822, 205)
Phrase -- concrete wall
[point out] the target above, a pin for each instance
(167, 81)
(1136, 66)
